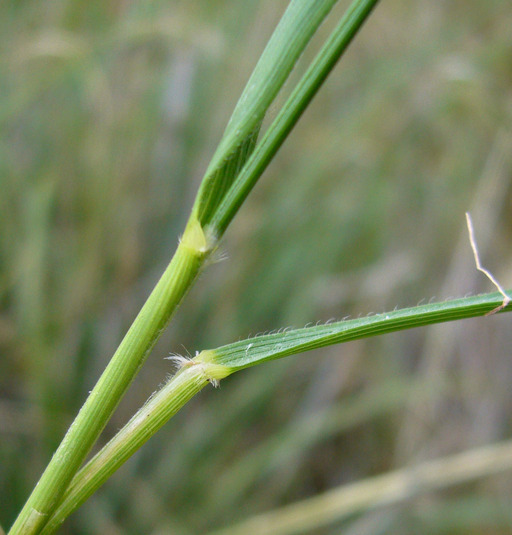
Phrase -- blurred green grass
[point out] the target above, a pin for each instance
(109, 112)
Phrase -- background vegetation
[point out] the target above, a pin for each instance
(109, 113)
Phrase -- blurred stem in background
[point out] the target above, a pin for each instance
(385, 490)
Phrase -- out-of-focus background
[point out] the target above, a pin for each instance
(109, 113)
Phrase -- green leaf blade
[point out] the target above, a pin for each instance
(216, 364)
(291, 36)
(291, 112)
(250, 352)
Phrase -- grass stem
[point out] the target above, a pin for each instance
(113, 383)
(215, 364)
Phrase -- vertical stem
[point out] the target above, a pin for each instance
(104, 398)
(146, 422)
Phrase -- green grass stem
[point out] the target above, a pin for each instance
(215, 364)
(299, 23)
(104, 398)
(144, 424)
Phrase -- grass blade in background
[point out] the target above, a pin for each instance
(214, 365)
